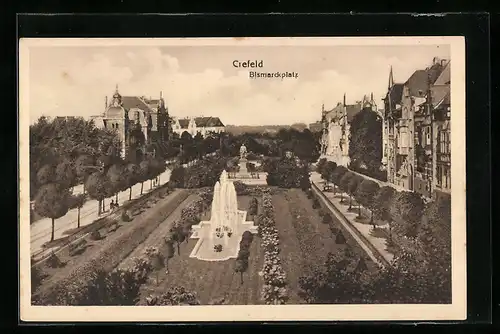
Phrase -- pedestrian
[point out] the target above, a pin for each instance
(111, 205)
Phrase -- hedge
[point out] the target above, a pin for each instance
(60, 291)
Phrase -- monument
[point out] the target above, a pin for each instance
(243, 171)
(219, 238)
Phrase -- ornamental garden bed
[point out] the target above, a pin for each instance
(214, 282)
(104, 253)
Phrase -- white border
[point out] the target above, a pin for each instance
(454, 311)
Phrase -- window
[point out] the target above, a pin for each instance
(427, 136)
(447, 178)
(403, 138)
(439, 176)
(444, 142)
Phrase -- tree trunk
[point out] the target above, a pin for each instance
(78, 217)
(52, 234)
(84, 187)
(334, 189)
(241, 277)
(166, 264)
(150, 184)
(157, 277)
(178, 248)
(116, 198)
(341, 197)
(104, 205)
(99, 206)
(142, 187)
(359, 210)
(130, 194)
(371, 219)
(350, 202)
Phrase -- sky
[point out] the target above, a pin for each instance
(202, 81)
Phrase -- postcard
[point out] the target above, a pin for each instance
(242, 179)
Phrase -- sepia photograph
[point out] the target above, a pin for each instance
(242, 179)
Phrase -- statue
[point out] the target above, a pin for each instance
(243, 151)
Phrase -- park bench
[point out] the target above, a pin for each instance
(77, 247)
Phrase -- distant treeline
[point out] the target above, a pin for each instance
(240, 129)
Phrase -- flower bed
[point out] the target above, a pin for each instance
(274, 290)
(60, 291)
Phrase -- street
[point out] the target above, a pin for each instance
(40, 231)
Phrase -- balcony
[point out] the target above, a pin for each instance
(443, 157)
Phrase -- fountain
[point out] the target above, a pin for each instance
(226, 225)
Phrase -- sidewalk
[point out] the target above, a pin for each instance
(364, 229)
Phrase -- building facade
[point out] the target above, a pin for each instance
(195, 125)
(410, 130)
(336, 125)
(142, 124)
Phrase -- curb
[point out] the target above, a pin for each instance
(365, 244)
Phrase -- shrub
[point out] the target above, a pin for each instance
(340, 238)
(320, 165)
(126, 216)
(241, 188)
(407, 209)
(95, 235)
(53, 261)
(37, 277)
(327, 219)
(177, 295)
(315, 204)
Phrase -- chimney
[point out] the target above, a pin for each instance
(443, 62)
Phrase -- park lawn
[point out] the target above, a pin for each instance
(93, 248)
(304, 240)
(210, 280)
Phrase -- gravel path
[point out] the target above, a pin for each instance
(155, 239)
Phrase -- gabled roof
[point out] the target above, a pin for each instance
(335, 113)
(201, 122)
(352, 110)
(184, 122)
(208, 121)
(129, 102)
(395, 94)
(153, 103)
(445, 77)
(440, 95)
(418, 82)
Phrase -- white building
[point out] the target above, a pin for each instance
(336, 129)
(194, 125)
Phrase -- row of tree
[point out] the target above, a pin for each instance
(303, 144)
(287, 172)
(59, 140)
(415, 227)
(102, 178)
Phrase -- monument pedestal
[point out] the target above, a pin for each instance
(243, 172)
